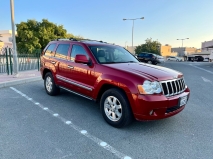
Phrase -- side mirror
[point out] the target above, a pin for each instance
(81, 59)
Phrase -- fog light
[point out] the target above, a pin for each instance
(151, 112)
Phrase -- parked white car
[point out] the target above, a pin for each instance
(161, 59)
(174, 58)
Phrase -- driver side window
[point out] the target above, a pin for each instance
(78, 50)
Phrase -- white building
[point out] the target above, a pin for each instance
(207, 46)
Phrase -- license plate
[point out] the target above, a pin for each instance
(183, 101)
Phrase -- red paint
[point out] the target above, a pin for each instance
(88, 73)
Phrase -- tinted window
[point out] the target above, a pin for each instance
(50, 50)
(77, 50)
(112, 54)
(141, 55)
(62, 51)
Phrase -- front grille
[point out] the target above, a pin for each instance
(173, 87)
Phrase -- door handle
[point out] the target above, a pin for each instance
(70, 66)
(53, 62)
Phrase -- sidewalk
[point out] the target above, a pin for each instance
(23, 77)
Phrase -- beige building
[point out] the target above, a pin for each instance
(6, 38)
(185, 51)
(131, 49)
(165, 50)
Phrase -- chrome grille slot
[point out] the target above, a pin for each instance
(173, 87)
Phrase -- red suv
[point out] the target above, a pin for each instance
(109, 74)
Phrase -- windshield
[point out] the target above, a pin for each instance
(112, 54)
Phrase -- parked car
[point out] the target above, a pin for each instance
(161, 59)
(148, 58)
(206, 59)
(211, 57)
(198, 58)
(174, 58)
(109, 75)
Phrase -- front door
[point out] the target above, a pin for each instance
(82, 75)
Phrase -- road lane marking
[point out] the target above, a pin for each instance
(206, 80)
(77, 128)
(56, 115)
(201, 68)
(68, 122)
(103, 144)
(83, 131)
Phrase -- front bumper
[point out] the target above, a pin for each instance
(154, 107)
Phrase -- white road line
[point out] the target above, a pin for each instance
(206, 80)
(75, 127)
(201, 68)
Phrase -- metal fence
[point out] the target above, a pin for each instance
(25, 61)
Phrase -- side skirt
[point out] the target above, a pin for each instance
(77, 93)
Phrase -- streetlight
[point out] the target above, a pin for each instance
(15, 61)
(182, 40)
(133, 27)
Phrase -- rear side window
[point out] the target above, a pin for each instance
(50, 49)
(62, 51)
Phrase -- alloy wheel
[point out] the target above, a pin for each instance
(49, 84)
(113, 108)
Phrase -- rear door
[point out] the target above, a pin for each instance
(61, 62)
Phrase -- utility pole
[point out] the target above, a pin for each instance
(15, 61)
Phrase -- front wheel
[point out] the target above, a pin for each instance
(115, 108)
(50, 85)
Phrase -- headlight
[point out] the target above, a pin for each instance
(149, 87)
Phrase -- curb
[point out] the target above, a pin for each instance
(17, 82)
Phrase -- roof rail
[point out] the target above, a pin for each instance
(93, 40)
(60, 39)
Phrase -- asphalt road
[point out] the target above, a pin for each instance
(35, 125)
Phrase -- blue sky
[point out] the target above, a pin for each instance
(165, 20)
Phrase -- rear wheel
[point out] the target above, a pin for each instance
(50, 85)
(149, 62)
(115, 108)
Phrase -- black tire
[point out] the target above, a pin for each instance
(126, 113)
(149, 62)
(54, 90)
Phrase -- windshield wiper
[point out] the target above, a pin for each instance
(130, 61)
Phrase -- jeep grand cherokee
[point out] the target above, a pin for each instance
(110, 75)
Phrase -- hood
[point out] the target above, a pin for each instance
(152, 72)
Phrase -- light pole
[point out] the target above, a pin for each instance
(182, 40)
(125, 45)
(182, 44)
(15, 62)
(133, 27)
